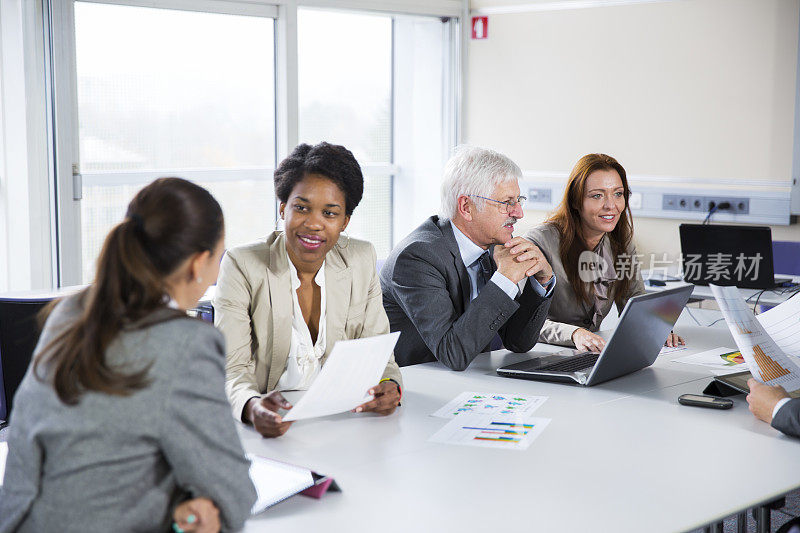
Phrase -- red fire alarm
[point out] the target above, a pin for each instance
(480, 27)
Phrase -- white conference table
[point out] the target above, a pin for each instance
(621, 456)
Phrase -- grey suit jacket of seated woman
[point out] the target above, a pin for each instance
(567, 313)
(122, 463)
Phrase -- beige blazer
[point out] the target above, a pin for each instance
(253, 309)
(567, 313)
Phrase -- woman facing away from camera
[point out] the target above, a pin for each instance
(593, 216)
(121, 422)
(284, 301)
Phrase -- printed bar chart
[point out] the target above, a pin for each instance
(490, 404)
(764, 357)
(769, 368)
(491, 431)
(498, 432)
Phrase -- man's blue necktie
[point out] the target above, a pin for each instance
(485, 272)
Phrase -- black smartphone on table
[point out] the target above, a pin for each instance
(699, 400)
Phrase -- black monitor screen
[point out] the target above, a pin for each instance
(727, 255)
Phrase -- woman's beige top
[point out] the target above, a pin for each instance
(567, 313)
(253, 309)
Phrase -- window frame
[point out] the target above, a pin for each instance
(63, 132)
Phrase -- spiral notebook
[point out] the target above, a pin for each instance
(275, 481)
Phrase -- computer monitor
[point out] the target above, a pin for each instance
(727, 255)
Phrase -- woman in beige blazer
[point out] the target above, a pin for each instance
(589, 242)
(283, 302)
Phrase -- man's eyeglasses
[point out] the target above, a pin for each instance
(507, 206)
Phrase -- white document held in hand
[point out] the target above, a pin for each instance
(350, 370)
(782, 324)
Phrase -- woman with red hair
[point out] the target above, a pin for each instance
(589, 242)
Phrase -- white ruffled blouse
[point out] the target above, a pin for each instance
(305, 356)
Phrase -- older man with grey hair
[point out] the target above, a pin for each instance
(461, 283)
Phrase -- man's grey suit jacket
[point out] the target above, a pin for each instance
(426, 292)
(788, 418)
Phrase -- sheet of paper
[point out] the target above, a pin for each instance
(782, 322)
(3, 455)
(717, 360)
(671, 349)
(350, 370)
(488, 431)
(275, 481)
(765, 359)
(490, 404)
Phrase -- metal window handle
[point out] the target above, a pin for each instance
(77, 183)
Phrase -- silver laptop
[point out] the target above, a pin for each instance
(643, 328)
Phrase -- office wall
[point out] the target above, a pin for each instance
(700, 89)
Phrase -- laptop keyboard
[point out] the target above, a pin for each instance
(572, 364)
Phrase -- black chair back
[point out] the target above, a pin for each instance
(19, 333)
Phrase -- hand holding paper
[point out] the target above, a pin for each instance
(353, 367)
(763, 399)
(386, 397)
(263, 414)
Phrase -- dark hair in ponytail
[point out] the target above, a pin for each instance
(167, 222)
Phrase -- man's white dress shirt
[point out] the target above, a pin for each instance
(470, 255)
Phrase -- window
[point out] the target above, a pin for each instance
(174, 93)
(345, 97)
(214, 91)
(377, 84)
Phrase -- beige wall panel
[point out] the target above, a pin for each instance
(696, 88)
(691, 88)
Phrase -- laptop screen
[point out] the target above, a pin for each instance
(727, 255)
